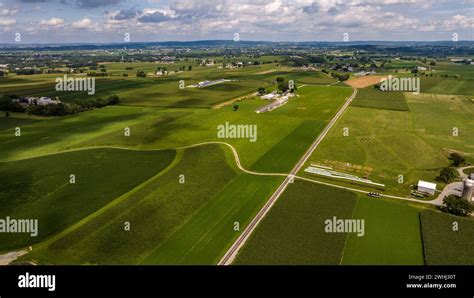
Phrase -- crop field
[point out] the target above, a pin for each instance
(297, 142)
(155, 210)
(443, 244)
(181, 127)
(369, 97)
(440, 85)
(311, 78)
(293, 232)
(236, 199)
(414, 143)
(392, 235)
(58, 134)
(449, 68)
(205, 238)
(40, 188)
(362, 82)
(10, 123)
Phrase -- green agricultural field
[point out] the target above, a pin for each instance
(40, 188)
(297, 142)
(170, 128)
(443, 244)
(414, 143)
(180, 127)
(440, 85)
(392, 235)
(396, 64)
(451, 69)
(164, 91)
(209, 233)
(369, 97)
(12, 122)
(293, 232)
(58, 134)
(311, 78)
(155, 210)
(176, 213)
(171, 223)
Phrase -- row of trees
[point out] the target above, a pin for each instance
(61, 109)
(340, 77)
(457, 206)
(78, 106)
(7, 104)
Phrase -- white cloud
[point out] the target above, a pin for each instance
(7, 22)
(5, 11)
(457, 22)
(53, 22)
(82, 24)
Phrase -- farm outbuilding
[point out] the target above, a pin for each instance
(427, 187)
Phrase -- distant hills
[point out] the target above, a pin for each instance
(231, 43)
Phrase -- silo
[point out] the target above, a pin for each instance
(468, 190)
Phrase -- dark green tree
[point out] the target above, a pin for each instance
(447, 174)
(458, 206)
(457, 159)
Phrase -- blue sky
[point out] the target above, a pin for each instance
(53, 21)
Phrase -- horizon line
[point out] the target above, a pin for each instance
(228, 40)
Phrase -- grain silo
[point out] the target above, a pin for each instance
(468, 189)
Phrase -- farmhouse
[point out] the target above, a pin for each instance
(364, 73)
(42, 101)
(427, 187)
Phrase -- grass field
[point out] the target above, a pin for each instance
(442, 244)
(392, 235)
(293, 232)
(440, 85)
(369, 97)
(413, 143)
(39, 188)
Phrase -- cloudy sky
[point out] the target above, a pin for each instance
(47, 21)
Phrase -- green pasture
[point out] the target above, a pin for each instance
(40, 188)
(413, 143)
(392, 235)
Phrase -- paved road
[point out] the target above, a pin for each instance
(229, 256)
(7, 258)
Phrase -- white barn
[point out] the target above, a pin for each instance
(427, 187)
